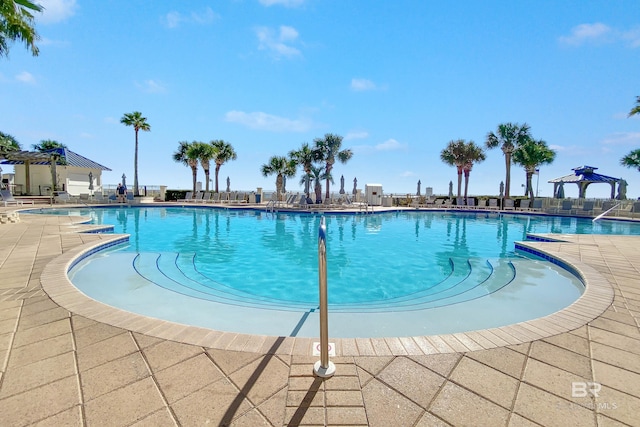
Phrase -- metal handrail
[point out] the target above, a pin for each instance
(323, 368)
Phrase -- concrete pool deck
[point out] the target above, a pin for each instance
(62, 368)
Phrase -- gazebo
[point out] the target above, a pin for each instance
(583, 176)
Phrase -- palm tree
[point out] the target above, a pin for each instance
(635, 110)
(17, 23)
(223, 153)
(47, 145)
(281, 166)
(50, 145)
(472, 154)
(7, 144)
(632, 160)
(207, 152)
(316, 175)
(305, 156)
(189, 154)
(508, 136)
(138, 122)
(453, 155)
(328, 151)
(530, 154)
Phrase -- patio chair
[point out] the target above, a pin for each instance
(537, 205)
(187, 198)
(635, 209)
(130, 198)
(471, 203)
(566, 207)
(64, 197)
(509, 205)
(460, 202)
(206, 197)
(524, 204)
(587, 208)
(8, 199)
(215, 198)
(493, 204)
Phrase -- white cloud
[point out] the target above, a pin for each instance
(406, 174)
(173, 19)
(151, 86)
(26, 77)
(587, 33)
(557, 147)
(279, 42)
(360, 85)
(600, 33)
(56, 10)
(633, 37)
(111, 120)
(390, 145)
(285, 3)
(356, 135)
(623, 138)
(263, 121)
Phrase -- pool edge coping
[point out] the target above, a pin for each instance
(597, 297)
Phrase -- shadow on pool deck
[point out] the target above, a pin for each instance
(90, 372)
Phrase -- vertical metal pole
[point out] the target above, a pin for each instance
(323, 368)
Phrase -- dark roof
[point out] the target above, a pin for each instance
(44, 158)
(585, 174)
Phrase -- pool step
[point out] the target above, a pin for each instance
(469, 279)
(162, 269)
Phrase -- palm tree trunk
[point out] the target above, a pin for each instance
(194, 172)
(329, 167)
(466, 184)
(135, 168)
(206, 177)
(459, 182)
(507, 181)
(217, 170)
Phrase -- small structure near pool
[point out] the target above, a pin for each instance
(584, 176)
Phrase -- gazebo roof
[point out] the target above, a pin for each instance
(585, 174)
(44, 158)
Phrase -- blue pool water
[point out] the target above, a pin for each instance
(395, 262)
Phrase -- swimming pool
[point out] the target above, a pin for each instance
(392, 274)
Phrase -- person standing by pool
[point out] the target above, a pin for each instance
(122, 193)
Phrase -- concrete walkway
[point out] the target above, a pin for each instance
(61, 368)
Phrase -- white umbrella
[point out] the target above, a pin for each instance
(418, 192)
(342, 184)
(560, 192)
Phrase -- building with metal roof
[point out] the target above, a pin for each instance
(35, 171)
(584, 176)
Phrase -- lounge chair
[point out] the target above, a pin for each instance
(635, 209)
(524, 204)
(508, 205)
(471, 203)
(8, 199)
(587, 208)
(129, 198)
(206, 197)
(460, 202)
(537, 205)
(566, 207)
(493, 204)
(187, 198)
(215, 198)
(64, 197)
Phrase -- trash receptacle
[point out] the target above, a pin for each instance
(258, 197)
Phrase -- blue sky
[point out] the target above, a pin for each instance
(398, 80)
